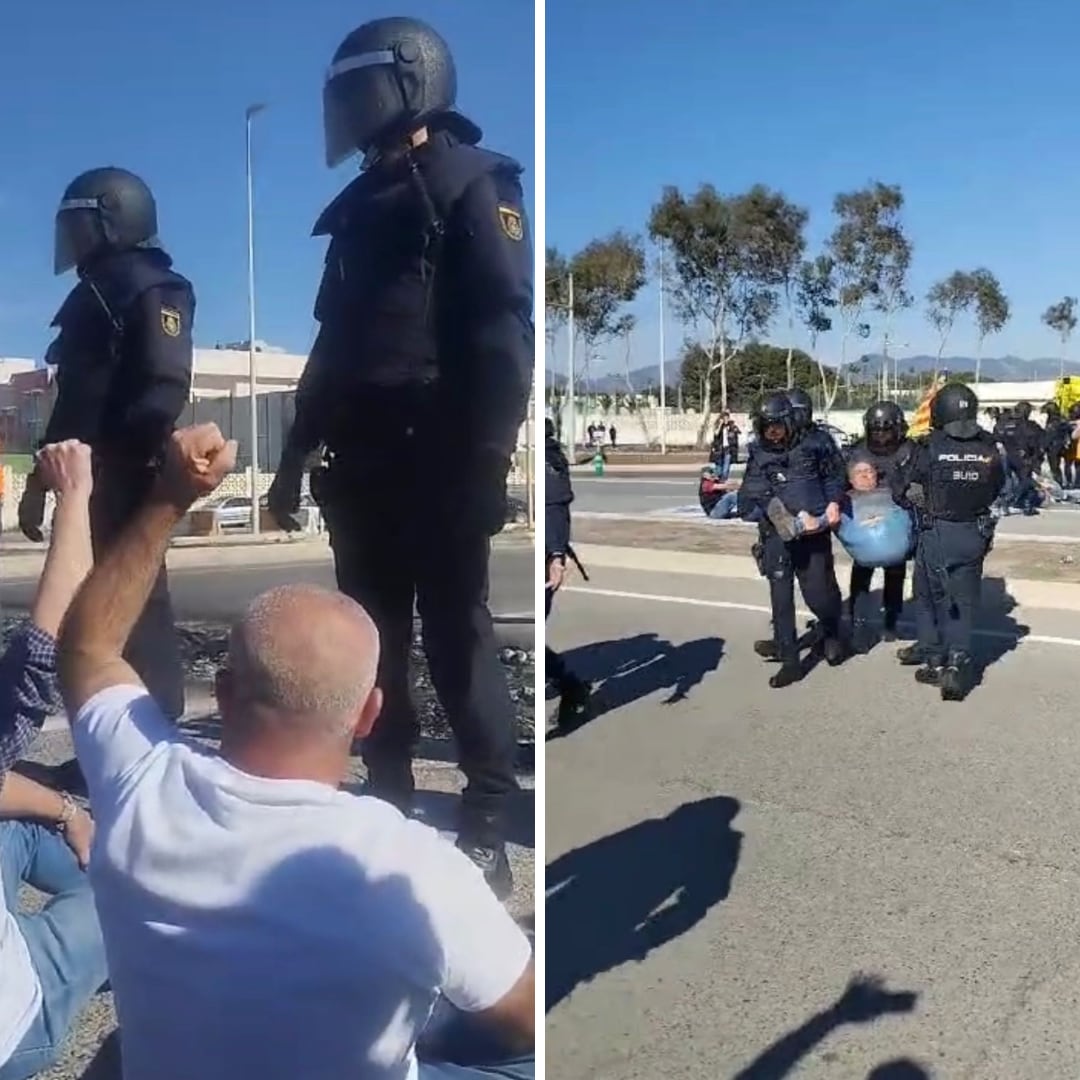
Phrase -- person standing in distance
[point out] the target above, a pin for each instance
(425, 339)
(885, 446)
(123, 359)
(574, 692)
(953, 478)
(791, 490)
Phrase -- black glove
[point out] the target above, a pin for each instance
(283, 498)
(32, 509)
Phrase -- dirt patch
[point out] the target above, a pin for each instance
(1018, 560)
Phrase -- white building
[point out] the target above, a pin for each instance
(224, 372)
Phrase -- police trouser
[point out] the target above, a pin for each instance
(395, 547)
(810, 559)
(555, 669)
(1070, 468)
(153, 649)
(892, 590)
(949, 561)
(1054, 457)
(1022, 483)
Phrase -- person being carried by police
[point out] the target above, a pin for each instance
(425, 339)
(1023, 442)
(952, 479)
(123, 361)
(574, 692)
(1057, 438)
(792, 489)
(884, 447)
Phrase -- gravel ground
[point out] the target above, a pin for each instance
(89, 1054)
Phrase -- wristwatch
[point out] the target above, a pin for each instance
(67, 815)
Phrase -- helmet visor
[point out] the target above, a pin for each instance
(360, 98)
(78, 233)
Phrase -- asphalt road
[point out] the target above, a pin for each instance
(723, 858)
(220, 593)
(657, 493)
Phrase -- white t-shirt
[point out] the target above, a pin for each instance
(273, 928)
(20, 991)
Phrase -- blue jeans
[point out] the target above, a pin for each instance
(454, 1046)
(64, 938)
(723, 464)
(727, 507)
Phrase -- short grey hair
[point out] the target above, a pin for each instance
(304, 652)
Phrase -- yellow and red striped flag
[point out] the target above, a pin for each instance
(920, 422)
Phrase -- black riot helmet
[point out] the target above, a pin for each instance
(389, 78)
(1023, 410)
(802, 407)
(773, 410)
(1052, 410)
(103, 210)
(549, 428)
(1074, 411)
(955, 410)
(884, 424)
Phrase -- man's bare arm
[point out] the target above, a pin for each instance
(68, 561)
(514, 1016)
(109, 604)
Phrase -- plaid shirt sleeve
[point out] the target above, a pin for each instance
(29, 692)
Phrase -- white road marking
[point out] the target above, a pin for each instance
(761, 609)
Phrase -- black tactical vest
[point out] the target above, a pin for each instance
(378, 304)
(964, 476)
(88, 351)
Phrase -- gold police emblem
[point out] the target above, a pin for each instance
(512, 225)
(170, 321)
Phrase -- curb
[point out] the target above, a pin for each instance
(1044, 595)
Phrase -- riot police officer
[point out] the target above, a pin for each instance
(1022, 439)
(425, 339)
(884, 445)
(791, 488)
(1057, 437)
(952, 479)
(574, 692)
(123, 358)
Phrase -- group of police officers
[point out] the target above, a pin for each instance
(795, 488)
(425, 338)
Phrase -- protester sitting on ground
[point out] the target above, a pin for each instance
(259, 922)
(719, 498)
(52, 961)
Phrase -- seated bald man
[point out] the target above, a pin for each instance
(259, 922)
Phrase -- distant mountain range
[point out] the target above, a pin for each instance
(996, 368)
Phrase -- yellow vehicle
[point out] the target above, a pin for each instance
(1067, 394)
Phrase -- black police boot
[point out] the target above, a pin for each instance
(479, 837)
(836, 650)
(957, 677)
(393, 783)
(930, 672)
(767, 649)
(791, 671)
(862, 637)
(889, 632)
(574, 701)
(910, 656)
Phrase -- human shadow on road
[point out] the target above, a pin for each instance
(863, 1001)
(628, 669)
(620, 897)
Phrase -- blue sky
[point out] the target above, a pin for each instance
(970, 107)
(138, 85)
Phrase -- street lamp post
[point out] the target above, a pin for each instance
(252, 112)
(663, 349)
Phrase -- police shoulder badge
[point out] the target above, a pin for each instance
(510, 220)
(170, 321)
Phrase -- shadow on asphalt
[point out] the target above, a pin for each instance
(620, 897)
(628, 669)
(864, 1001)
(1001, 633)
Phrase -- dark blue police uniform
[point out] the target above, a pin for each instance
(123, 360)
(953, 483)
(417, 385)
(806, 477)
